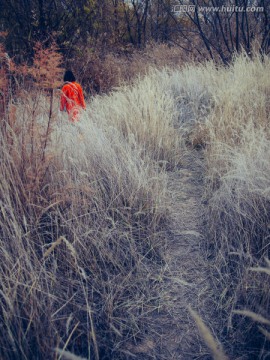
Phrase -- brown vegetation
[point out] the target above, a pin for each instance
(83, 211)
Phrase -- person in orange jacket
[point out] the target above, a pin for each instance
(72, 99)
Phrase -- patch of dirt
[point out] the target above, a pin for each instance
(185, 282)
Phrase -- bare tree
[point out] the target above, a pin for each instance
(223, 28)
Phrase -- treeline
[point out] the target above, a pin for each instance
(121, 25)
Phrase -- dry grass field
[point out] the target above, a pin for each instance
(85, 213)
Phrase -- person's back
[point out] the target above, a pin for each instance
(72, 98)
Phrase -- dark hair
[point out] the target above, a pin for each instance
(69, 76)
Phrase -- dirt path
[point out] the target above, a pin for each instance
(186, 281)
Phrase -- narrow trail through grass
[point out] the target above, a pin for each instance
(186, 282)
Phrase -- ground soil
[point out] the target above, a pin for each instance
(185, 282)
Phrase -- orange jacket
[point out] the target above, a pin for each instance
(72, 99)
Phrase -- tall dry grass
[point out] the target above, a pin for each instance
(84, 210)
(101, 71)
(83, 221)
(236, 136)
(225, 110)
(76, 244)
